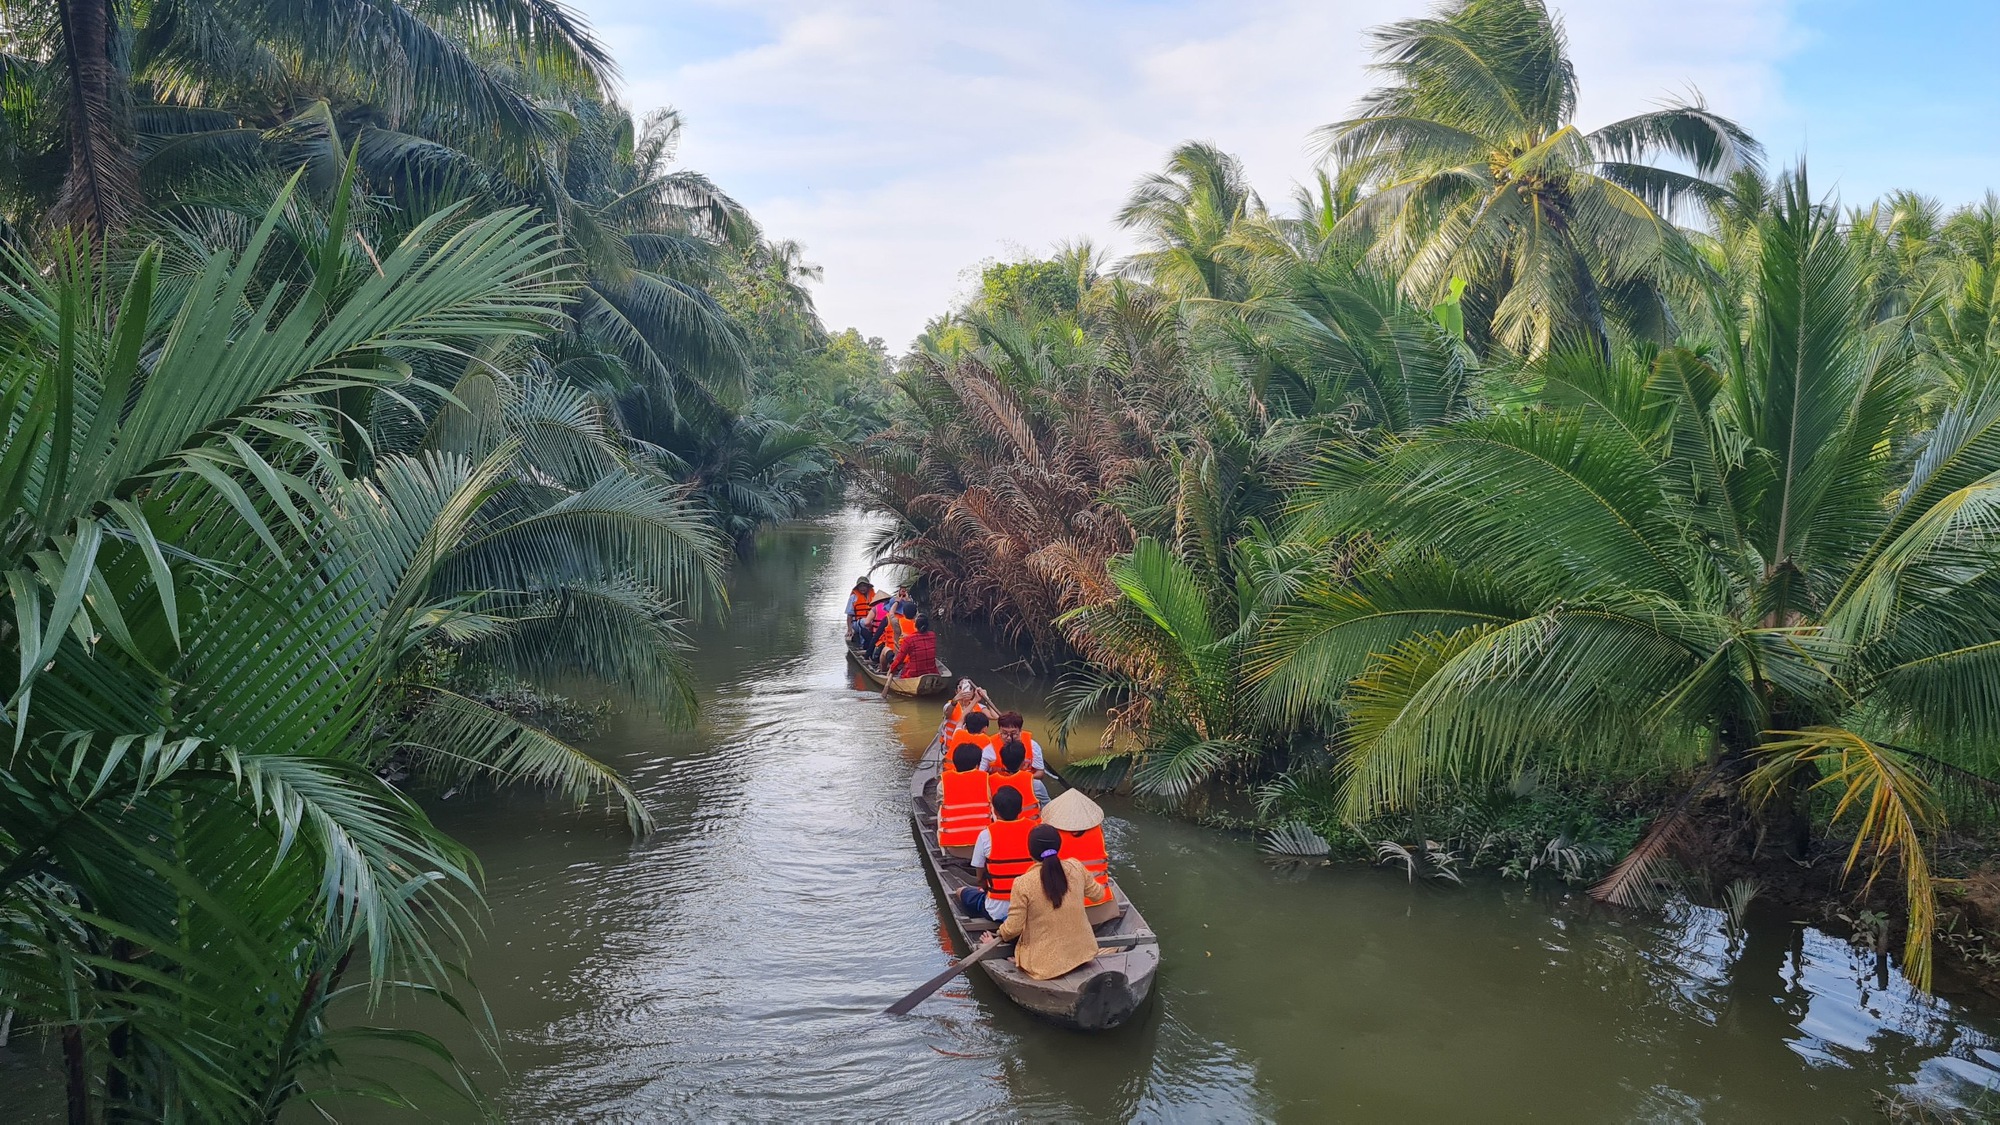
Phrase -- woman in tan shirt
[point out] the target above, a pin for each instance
(1045, 920)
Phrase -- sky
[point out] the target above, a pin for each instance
(905, 142)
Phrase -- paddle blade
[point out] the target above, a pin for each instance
(902, 1007)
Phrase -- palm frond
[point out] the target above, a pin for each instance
(449, 727)
(1716, 146)
(1899, 816)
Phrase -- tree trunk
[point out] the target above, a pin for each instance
(76, 1076)
(102, 184)
(118, 1043)
(117, 1090)
(1783, 821)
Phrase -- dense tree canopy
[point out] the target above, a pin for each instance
(357, 360)
(1509, 451)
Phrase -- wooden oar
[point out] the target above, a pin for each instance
(902, 1007)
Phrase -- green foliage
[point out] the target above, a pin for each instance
(1525, 830)
(192, 847)
(1194, 217)
(1029, 288)
(112, 98)
(1482, 178)
(361, 454)
(844, 388)
(1479, 465)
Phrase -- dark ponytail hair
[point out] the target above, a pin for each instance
(1043, 844)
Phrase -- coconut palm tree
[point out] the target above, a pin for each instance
(653, 241)
(414, 63)
(1164, 665)
(1966, 324)
(1677, 557)
(1187, 214)
(1480, 174)
(1325, 337)
(212, 619)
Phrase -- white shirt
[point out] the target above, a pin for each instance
(991, 755)
(996, 908)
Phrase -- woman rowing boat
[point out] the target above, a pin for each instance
(1046, 921)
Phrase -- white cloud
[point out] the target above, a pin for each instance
(904, 141)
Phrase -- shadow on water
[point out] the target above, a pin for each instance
(735, 965)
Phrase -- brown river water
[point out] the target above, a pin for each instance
(735, 965)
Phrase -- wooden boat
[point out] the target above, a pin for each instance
(1098, 995)
(937, 683)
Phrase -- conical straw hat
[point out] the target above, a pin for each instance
(1072, 812)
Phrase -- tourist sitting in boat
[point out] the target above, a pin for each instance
(999, 855)
(878, 620)
(859, 605)
(1010, 726)
(1012, 772)
(996, 763)
(902, 604)
(900, 623)
(969, 698)
(1046, 922)
(973, 730)
(917, 654)
(1080, 820)
(965, 804)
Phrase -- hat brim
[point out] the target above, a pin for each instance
(1066, 815)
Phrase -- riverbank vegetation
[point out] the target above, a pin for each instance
(1612, 458)
(366, 368)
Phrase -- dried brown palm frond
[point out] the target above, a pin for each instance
(1002, 486)
(1637, 879)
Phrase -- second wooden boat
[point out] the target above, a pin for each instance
(1100, 994)
(937, 683)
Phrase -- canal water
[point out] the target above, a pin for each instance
(735, 965)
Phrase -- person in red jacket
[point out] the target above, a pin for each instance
(917, 654)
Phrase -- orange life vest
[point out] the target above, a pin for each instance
(1027, 751)
(893, 632)
(1022, 782)
(983, 741)
(860, 603)
(954, 719)
(1087, 847)
(964, 807)
(1008, 860)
